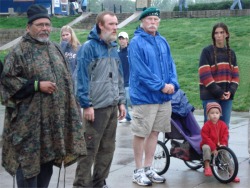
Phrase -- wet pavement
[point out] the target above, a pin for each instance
(178, 174)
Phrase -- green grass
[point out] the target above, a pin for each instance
(187, 37)
(20, 22)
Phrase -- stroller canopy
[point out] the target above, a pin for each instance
(180, 104)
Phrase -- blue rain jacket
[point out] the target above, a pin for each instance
(99, 74)
(151, 66)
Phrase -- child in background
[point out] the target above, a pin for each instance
(214, 133)
(70, 46)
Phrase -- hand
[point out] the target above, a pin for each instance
(47, 87)
(227, 95)
(222, 145)
(122, 112)
(89, 114)
(168, 89)
(215, 152)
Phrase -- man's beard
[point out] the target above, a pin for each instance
(43, 39)
(109, 37)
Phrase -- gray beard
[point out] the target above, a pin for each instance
(43, 39)
(109, 39)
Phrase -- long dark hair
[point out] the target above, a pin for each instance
(225, 28)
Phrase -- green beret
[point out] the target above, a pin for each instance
(151, 11)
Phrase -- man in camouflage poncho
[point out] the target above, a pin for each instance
(42, 125)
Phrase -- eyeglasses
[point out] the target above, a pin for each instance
(42, 25)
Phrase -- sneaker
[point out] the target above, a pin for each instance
(124, 120)
(208, 172)
(140, 178)
(153, 176)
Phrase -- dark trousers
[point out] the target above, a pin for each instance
(84, 8)
(41, 180)
(100, 140)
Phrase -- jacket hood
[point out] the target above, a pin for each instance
(93, 35)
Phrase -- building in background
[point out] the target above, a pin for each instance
(20, 6)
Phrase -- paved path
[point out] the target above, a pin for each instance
(178, 175)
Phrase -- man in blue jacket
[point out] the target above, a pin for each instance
(153, 79)
(101, 94)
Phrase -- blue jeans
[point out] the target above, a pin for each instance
(226, 106)
(84, 8)
(41, 180)
(128, 103)
(234, 4)
(183, 2)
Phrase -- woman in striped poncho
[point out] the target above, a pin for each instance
(219, 72)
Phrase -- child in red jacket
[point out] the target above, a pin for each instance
(214, 133)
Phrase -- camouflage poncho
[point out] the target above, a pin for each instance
(41, 127)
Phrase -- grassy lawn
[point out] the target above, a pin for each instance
(187, 37)
(20, 22)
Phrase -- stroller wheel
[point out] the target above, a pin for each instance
(194, 164)
(161, 158)
(224, 165)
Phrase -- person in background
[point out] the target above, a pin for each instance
(235, 3)
(249, 137)
(248, 102)
(183, 3)
(72, 8)
(42, 125)
(218, 72)
(123, 40)
(70, 46)
(153, 80)
(76, 5)
(84, 4)
(101, 93)
(1, 67)
(214, 134)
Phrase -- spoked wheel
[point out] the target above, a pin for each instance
(194, 164)
(224, 165)
(161, 158)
